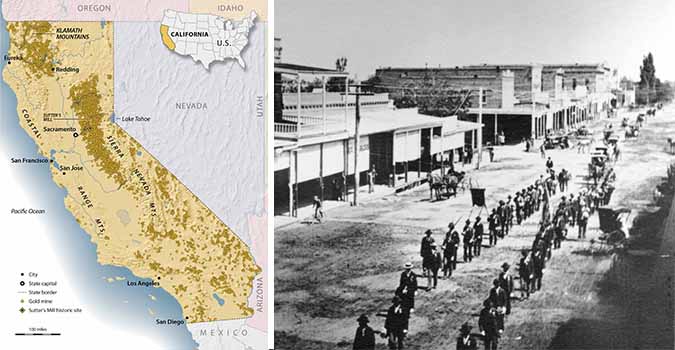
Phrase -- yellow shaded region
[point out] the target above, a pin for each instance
(233, 10)
(168, 235)
(166, 39)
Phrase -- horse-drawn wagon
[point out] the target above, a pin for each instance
(447, 185)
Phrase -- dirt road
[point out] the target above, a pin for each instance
(328, 274)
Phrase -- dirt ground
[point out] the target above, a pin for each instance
(328, 274)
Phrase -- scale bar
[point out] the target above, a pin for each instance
(37, 334)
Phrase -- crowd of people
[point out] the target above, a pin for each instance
(554, 224)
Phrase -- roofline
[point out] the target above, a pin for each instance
(300, 69)
(599, 67)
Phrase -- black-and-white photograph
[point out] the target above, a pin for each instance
(474, 174)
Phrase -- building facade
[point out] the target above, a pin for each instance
(519, 101)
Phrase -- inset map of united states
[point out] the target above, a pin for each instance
(205, 37)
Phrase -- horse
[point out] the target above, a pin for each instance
(435, 186)
(584, 145)
(453, 180)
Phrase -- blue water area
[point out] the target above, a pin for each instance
(54, 162)
(102, 24)
(218, 299)
(112, 117)
(114, 304)
(139, 153)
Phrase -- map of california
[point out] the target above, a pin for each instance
(138, 214)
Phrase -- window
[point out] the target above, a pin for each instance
(484, 98)
(574, 84)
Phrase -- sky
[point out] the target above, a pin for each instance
(413, 33)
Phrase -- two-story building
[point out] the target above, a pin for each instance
(520, 101)
(314, 133)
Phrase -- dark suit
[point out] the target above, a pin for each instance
(406, 289)
(477, 237)
(364, 338)
(450, 253)
(434, 263)
(499, 299)
(503, 219)
(492, 229)
(487, 322)
(425, 246)
(524, 272)
(506, 282)
(395, 324)
(467, 239)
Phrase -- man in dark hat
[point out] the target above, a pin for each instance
(511, 209)
(487, 323)
(396, 324)
(498, 298)
(524, 271)
(433, 263)
(503, 217)
(425, 249)
(465, 341)
(450, 246)
(506, 282)
(538, 269)
(478, 230)
(365, 336)
(407, 287)
(493, 222)
(518, 202)
(467, 239)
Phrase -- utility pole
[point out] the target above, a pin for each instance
(299, 106)
(357, 123)
(533, 132)
(479, 134)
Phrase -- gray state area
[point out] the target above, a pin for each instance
(203, 125)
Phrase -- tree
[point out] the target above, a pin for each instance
(337, 84)
(341, 64)
(647, 72)
(647, 80)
